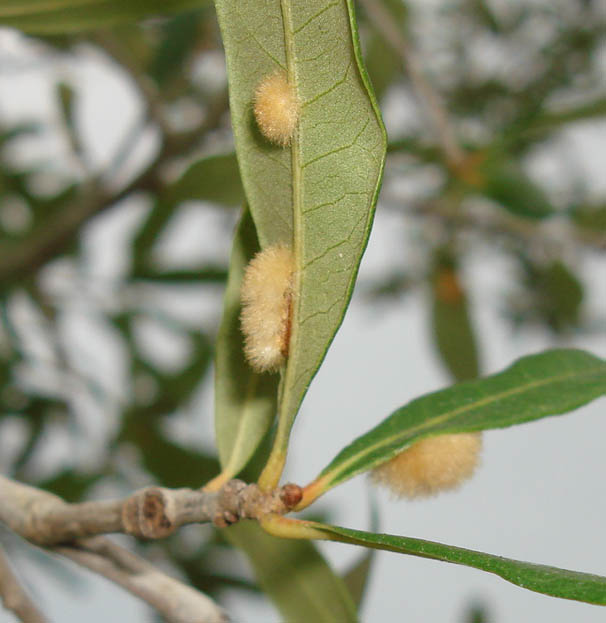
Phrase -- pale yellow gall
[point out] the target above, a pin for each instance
(266, 296)
(431, 465)
(276, 108)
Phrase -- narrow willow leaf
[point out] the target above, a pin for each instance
(452, 329)
(295, 575)
(356, 577)
(180, 35)
(50, 17)
(318, 194)
(212, 178)
(539, 578)
(245, 402)
(553, 295)
(534, 387)
(507, 183)
(382, 63)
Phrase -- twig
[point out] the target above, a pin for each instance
(176, 602)
(154, 512)
(501, 223)
(18, 261)
(434, 106)
(14, 597)
(22, 259)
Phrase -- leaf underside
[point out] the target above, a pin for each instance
(318, 194)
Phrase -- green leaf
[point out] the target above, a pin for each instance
(47, 17)
(539, 578)
(213, 178)
(70, 484)
(452, 329)
(295, 576)
(356, 577)
(534, 387)
(319, 194)
(553, 295)
(507, 184)
(65, 96)
(245, 402)
(590, 217)
(171, 464)
(383, 64)
(180, 35)
(205, 274)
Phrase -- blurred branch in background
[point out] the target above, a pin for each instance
(13, 595)
(430, 100)
(175, 601)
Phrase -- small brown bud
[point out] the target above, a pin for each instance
(291, 495)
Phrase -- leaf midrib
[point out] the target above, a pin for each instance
(451, 414)
(286, 418)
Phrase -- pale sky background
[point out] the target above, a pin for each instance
(539, 494)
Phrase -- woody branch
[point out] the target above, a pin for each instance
(153, 512)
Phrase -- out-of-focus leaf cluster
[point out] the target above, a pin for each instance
(48, 393)
(511, 95)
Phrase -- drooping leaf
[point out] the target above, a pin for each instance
(356, 577)
(592, 217)
(179, 38)
(171, 464)
(477, 613)
(509, 185)
(295, 576)
(382, 62)
(452, 329)
(50, 17)
(245, 402)
(318, 194)
(552, 294)
(213, 178)
(534, 387)
(539, 578)
(66, 97)
(69, 484)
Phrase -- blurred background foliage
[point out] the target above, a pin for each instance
(512, 77)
